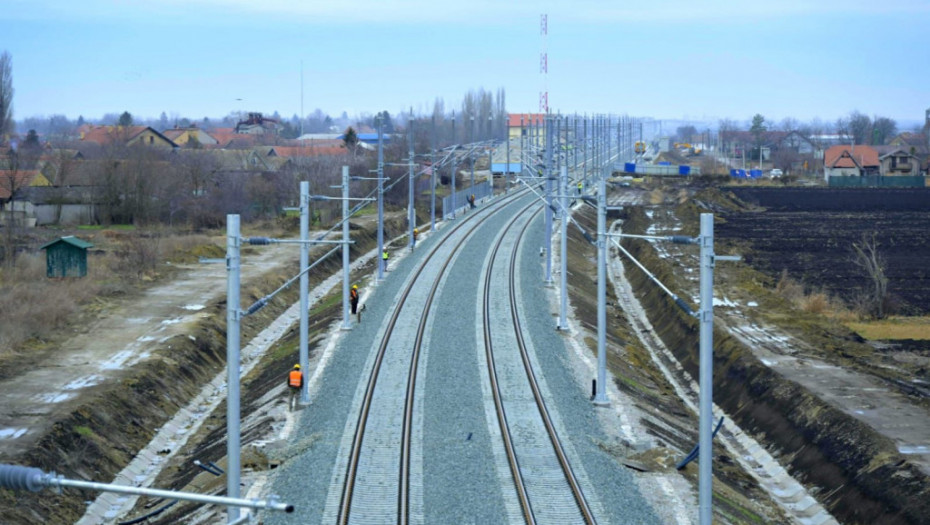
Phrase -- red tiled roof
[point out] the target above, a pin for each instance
(13, 181)
(842, 156)
(513, 119)
(107, 134)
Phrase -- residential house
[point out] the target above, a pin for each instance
(13, 186)
(914, 143)
(126, 136)
(518, 124)
(850, 160)
(897, 161)
(192, 137)
(257, 124)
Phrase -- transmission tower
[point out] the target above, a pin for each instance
(544, 64)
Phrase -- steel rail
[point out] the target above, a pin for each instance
(355, 454)
(531, 378)
(512, 460)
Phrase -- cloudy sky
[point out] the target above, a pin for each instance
(663, 58)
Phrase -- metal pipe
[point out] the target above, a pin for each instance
(16, 477)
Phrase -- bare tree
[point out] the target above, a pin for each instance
(15, 174)
(6, 94)
(872, 262)
(860, 128)
(883, 129)
(727, 129)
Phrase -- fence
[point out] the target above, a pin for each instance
(481, 191)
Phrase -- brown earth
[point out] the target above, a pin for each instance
(854, 470)
(94, 435)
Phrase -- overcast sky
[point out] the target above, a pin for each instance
(703, 59)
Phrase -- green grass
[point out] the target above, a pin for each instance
(84, 431)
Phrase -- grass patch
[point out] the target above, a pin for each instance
(893, 328)
(84, 431)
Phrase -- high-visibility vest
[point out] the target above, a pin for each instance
(384, 255)
(294, 379)
(353, 294)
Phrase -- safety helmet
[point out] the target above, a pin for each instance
(355, 287)
(416, 230)
(296, 367)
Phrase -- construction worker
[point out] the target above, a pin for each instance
(580, 187)
(353, 296)
(295, 382)
(471, 200)
(384, 258)
(416, 233)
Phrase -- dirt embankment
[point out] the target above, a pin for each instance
(852, 470)
(737, 497)
(97, 439)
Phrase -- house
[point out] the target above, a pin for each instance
(915, 143)
(850, 160)
(518, 124)
(13, 185)
(257, 124)
(898, 162)
(320, 148)
(185, 136)
(126, 136)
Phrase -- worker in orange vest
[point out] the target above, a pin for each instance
(353, 297)
(416, 233)
(295, 382)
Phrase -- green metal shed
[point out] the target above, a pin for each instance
(66, 257)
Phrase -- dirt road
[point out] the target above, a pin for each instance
(123, 337)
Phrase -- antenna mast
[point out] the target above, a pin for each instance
(544, 64)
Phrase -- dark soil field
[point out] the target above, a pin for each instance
(810, 232)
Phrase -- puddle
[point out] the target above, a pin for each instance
(193, 307)
(914, 449)
(11, 433)
(176, 320)
(145, 339)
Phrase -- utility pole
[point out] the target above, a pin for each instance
(233, 314)
(432, 174)
(345, 249)
(563, 303)
(380, 198)
(600, 396)
(411, 212)
(453, 165)
(549, 176)
(304, 286)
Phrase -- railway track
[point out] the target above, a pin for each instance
(377, 480)
(381, 445)
(546, 485)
